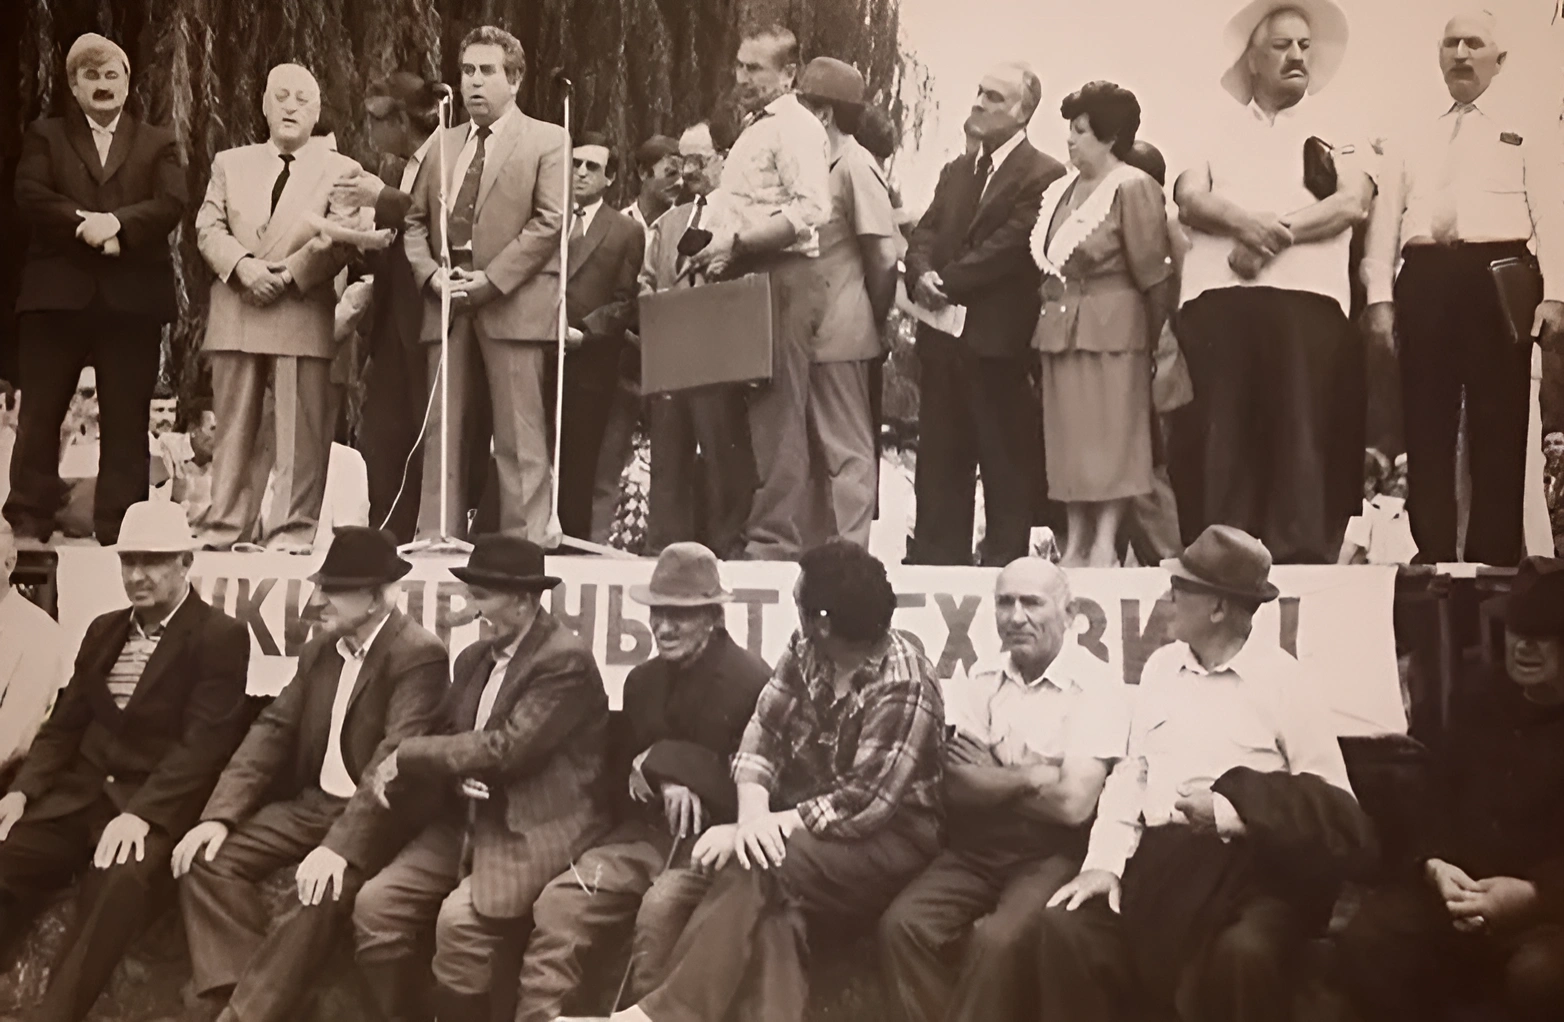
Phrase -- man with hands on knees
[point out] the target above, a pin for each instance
(121, 767)
(507, 793)
(838, 778)
(1481, 914)
(298, 789)
(684, 714)
(1035, 733)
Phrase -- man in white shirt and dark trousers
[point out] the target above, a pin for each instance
(1275, 444)
(1471, 186)
(1035, 733)
(1231, 819)
(370, 678)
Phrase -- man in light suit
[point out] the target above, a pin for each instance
(506, 209)
(514, 784)
(271, 316)
(369, 680)
(605, 258)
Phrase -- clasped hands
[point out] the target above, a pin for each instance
(1479, 905)
(262, 283)
(469, 288)
(100, 230)
(1261, 238)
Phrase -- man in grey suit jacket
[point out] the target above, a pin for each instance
(506, 207)
(271, 316)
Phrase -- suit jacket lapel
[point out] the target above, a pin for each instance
(582, 250)
(469, 690)
(167, 650)
(305, 173)
(80, 136)
(119, 149)
(496, 152)
(375, 659)
(1000, 183)
(510, 689)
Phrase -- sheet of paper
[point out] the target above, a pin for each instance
(952, 319)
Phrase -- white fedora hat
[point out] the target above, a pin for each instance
(1328, 46)
(155, 527)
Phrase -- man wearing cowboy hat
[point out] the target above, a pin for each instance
(515, 770)
(857, 265)
(371, 678)
(1230, 820)
(1275, 443)
(122, 766)
(1483, 915)
(685, 712)
(1476, 183)
(101, 190)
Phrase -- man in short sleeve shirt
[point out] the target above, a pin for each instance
(1276, 440)
(1035, 732)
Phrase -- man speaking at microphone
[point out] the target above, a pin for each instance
(505, 207)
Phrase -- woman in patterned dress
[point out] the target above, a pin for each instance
(1102, 243)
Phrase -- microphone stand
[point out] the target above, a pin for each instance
(556, 532)
(446, 542)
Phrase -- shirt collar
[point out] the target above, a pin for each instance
(108, 129)
(278, 153)
(498, 127)
(505, 654)
(590, 210)
(1235, 664)
(818, 669)
(999, 155)
(1056, 675)
(157, 629)
(350, 653)
(1285, 114)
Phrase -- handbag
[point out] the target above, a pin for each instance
(1519, 283)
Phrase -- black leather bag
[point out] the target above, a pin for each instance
(1319, 168)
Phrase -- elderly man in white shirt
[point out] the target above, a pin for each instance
(1276, 439)
(1230, 820)
(1480, 182)
(33, 663)
(1036, 731)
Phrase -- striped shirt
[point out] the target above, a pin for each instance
(139, 646)
(847, 764)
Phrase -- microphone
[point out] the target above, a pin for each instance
(559, 76)
(442, 90)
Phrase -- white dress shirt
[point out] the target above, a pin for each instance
(1500, 175)
(998, 157)
(34, 665)
(491, 688)
(1257, 163)
(1076, 709)
(1193, 724)
(508, 120)
(103, 136)
(633, 211)
(587, 214)
(780, 164)
(334, 776)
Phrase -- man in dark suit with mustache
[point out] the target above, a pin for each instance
(122, 765)
(100, 192)
(372, 678)
(977, 406)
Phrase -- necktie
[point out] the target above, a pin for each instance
(1442, 220)
(466, 207)
(981, 167)
(282, 179)
(578, 225)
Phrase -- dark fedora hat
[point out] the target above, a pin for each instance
(360, 558)
(1227, 562)
(506, 563)
(1535, 604)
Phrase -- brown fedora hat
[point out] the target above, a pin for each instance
(686, 576)
(1225, 561)
(832, 81)
(506, 563)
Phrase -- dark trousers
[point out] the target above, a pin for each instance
(396, 391)
(591, 378)
(744, 949)
(1453, 339)
(112, 905)
(938, 965)
(973, 413)
(703, 469)
(572, 923)
(1402, 959)
(233, 942)
(1273, 443)
(53, 348)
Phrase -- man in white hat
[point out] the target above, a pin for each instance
(1224, 834)
(1275, 444)
(135, 743)
(685, 711)
(1462, 189)
(100, 190)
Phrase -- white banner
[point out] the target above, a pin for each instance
(1336, 620)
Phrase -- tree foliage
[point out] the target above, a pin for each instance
(639, 67)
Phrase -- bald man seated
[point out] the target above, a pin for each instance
(1032, 736)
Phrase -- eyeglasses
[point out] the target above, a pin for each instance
(591, 165)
